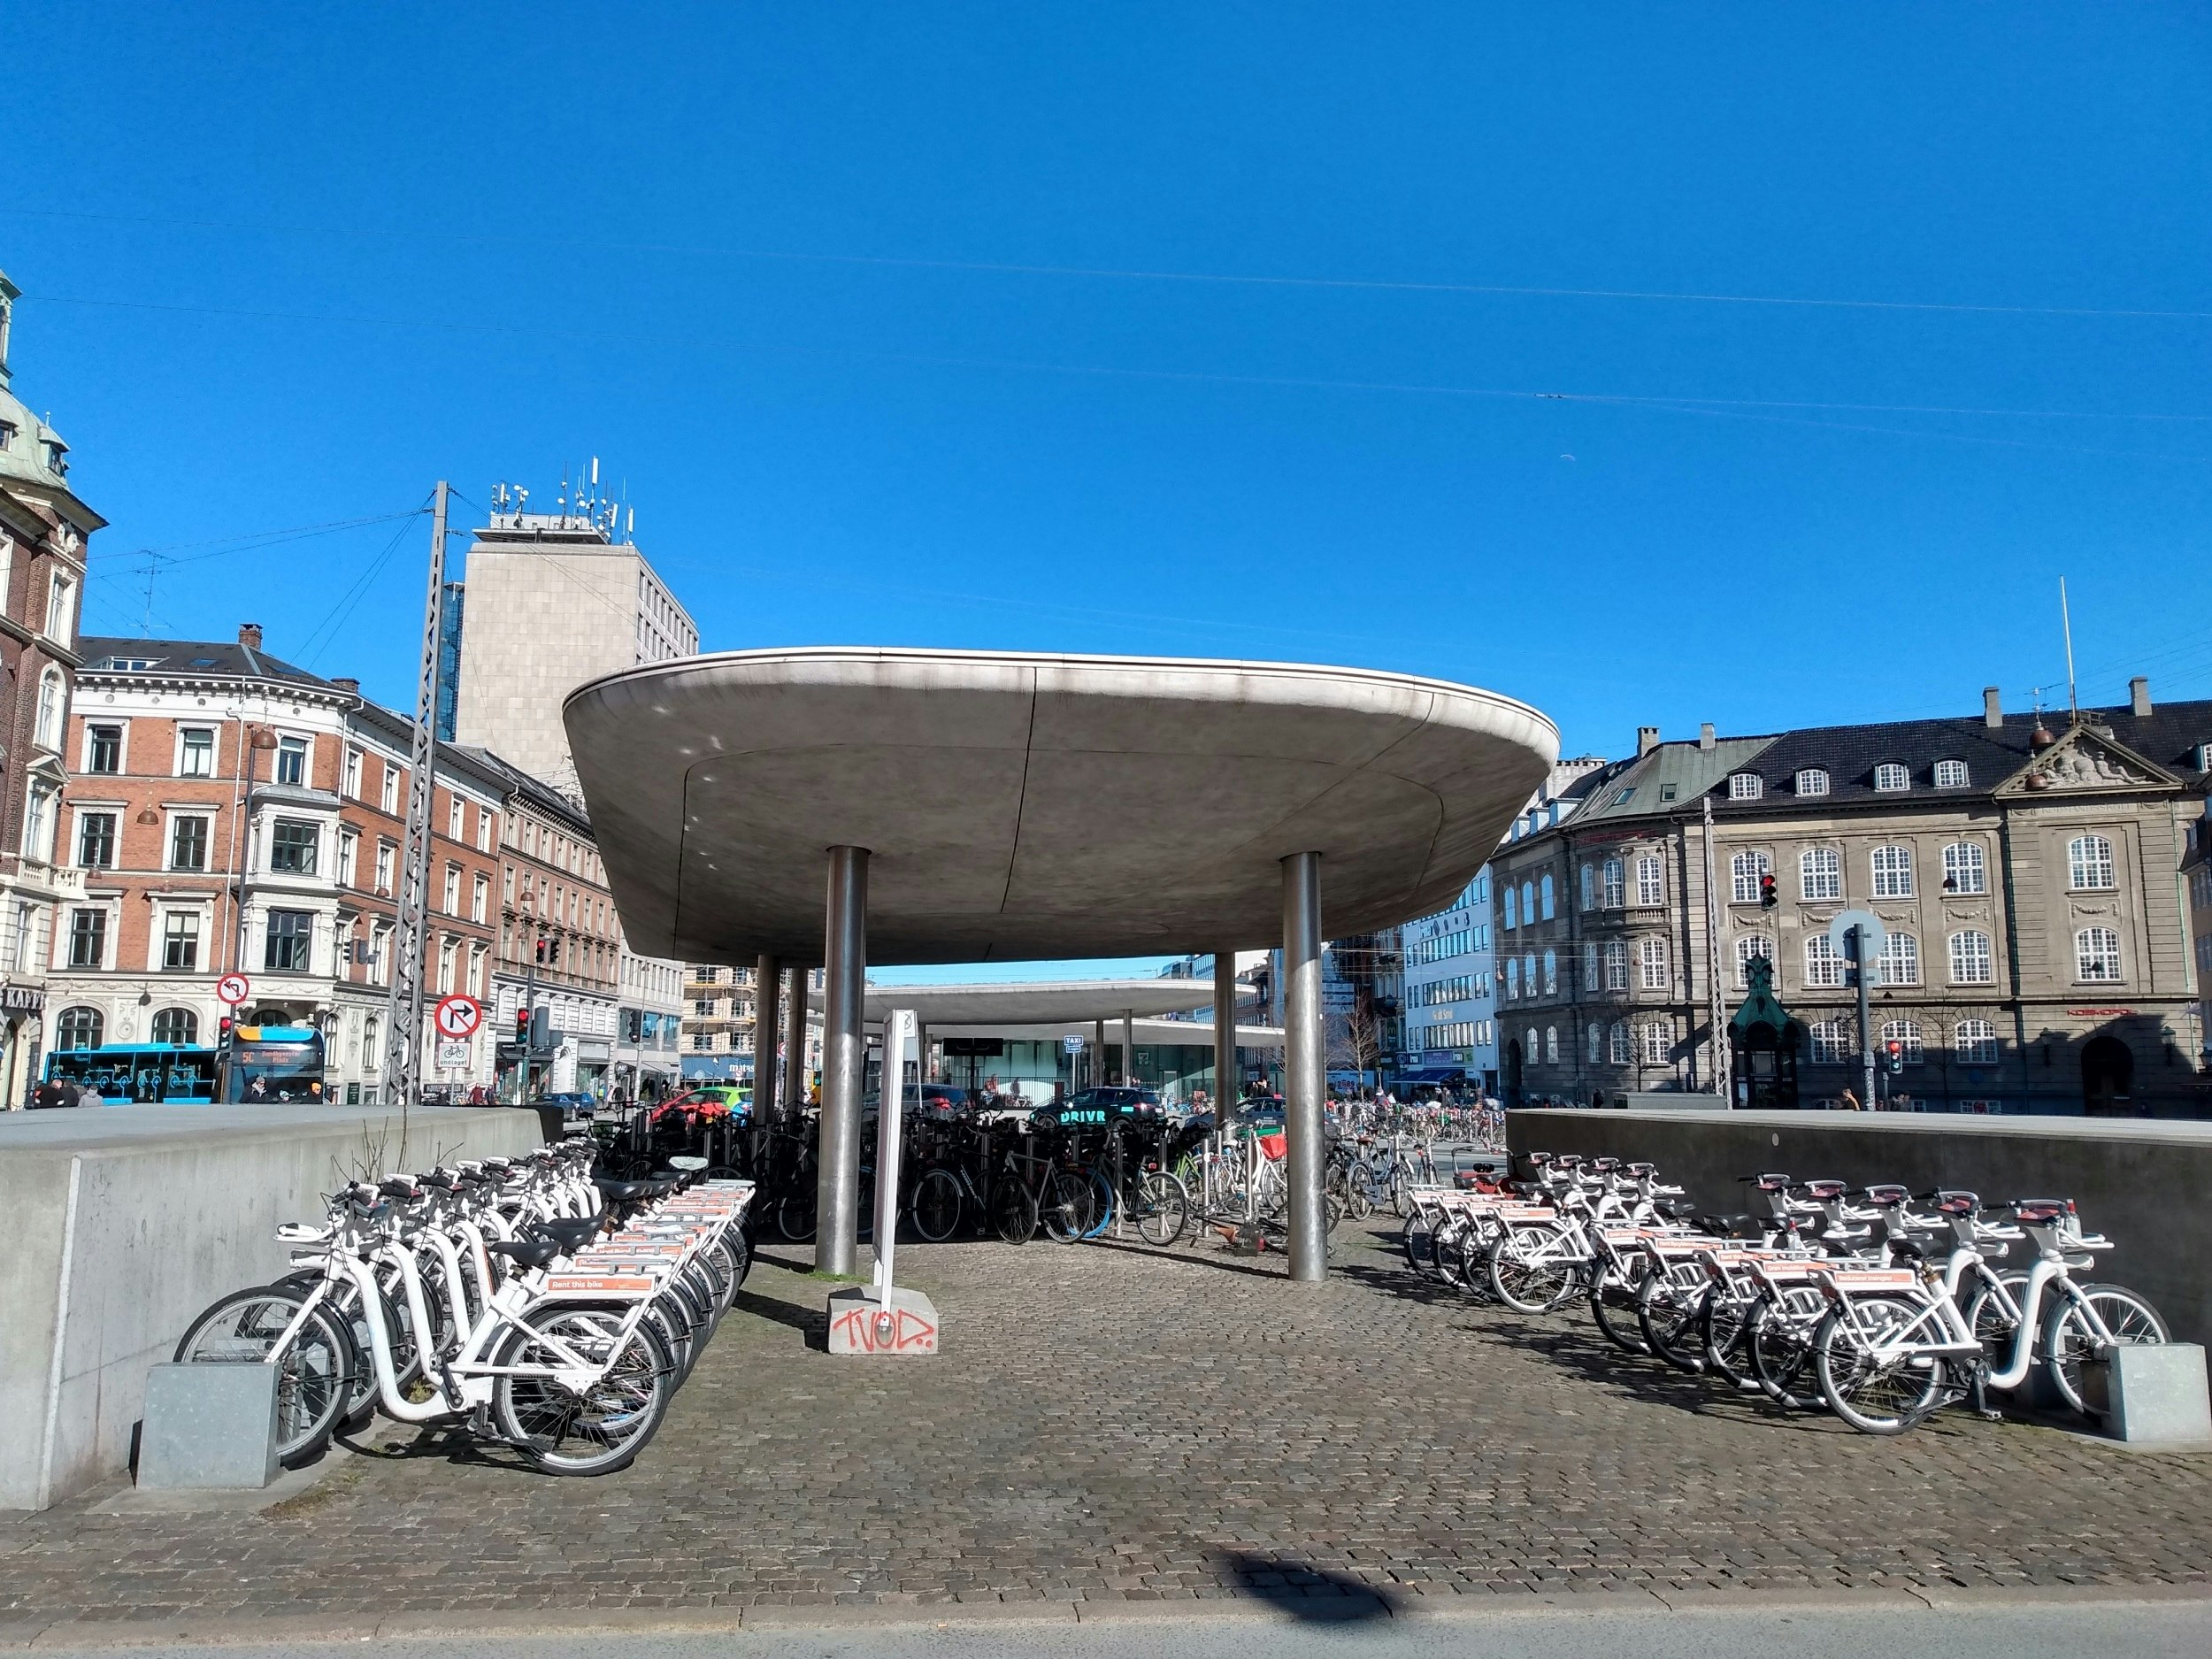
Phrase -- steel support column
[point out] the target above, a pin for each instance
(1302, 1067)
(1224, 1034)
(1128, 1048)
(795, 1078)
(844, 1062)
(767, 1031)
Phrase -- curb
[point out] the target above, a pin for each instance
(62, 1635)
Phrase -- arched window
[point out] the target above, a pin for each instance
(1651, 881)
(2088, 862)
(1745, 786)
(1531, 1051)
(1974, 1042)
(1812, 780)
(178, 1025)
(1893, 872)
(372, 1049)
(1544, 896)
(1589, 887)
(1950, 774)
(1744, 871)
(1890, 776)
(1824, 963)
(1512, 906)
(1551, 1045)
(1528, 973)
(1749, 946)
(1971, 960)
(1906, 1034)
(1528, 904)
(79, 1028)
(1965, 869)
(1900, 961)
(1617, 965)
(1651, 965)
(1658, 1040)
(1615, 894)
(2097, 955)
(1820, 873)
(1831, 1042)
(52, 698)
(1590, 981)
(1551, 971)
(1618, 1047)
(1512, 976)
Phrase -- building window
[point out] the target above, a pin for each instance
(2089, 863)
(88, 939)
(1974, 1042)
(476, 970)
(1651, 881)
(1746, 871)
(1745, 786)
(196, 752)
(453, 818)
(1590, 966)
(350, 858)
(103, 748)
(1512, 906)
(1899, 961)
(483, 830)
(389, 795)
(1964, 869)
(1972, 960)
(38, 822)
(1618, 1047)
(1528, 904)
(1950, 774)
(2096, 956)
(1893, 872)
(291, 761)
(702, 1042)
(59, 599)
(1651, 965)
(1589, 887)
(52, 697)
(96, 839)
(481, 898)
(1905, 1034)
(188, 843)
(1597, 1043)
(1617, 965)
(1748, 946)
(1544, 896)
(1831, 1042)
(292, 846)
(181, 941)
(1658, 1042)
(1551, 1045)
(448, 950)
(290, 941)
(387, 855)
(1812, 780)
(372, 1054)
(79, 1028)
(1889, 776)
(1613, 883)
(351, 785)
(1824, 963)
(1551, 973)
(178, 1026)
(453, 889)
(1820, 873)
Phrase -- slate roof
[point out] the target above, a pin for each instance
(223, 660)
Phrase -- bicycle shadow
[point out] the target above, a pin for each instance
(811, 1323)
(1122, 1246)
(1294, 1586)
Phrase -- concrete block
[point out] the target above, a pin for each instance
(2156, 1392)
(864, 1319)
(209, 1426)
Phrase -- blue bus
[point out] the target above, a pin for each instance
(265, 1063)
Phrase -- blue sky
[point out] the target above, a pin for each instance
(1175, 329)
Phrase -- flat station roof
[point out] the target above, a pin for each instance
(1023, 807)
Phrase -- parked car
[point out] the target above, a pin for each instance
(1099, 1106)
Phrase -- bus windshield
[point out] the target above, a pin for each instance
(275, 1064)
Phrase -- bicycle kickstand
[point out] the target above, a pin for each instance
(1977, 1395)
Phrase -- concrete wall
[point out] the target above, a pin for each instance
(2140, 1183)
(125, 1222)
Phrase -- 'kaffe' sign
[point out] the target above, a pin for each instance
(22, 999)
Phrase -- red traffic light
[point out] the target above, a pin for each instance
(522, 1024)
(1767, 897)
(1895, 1047)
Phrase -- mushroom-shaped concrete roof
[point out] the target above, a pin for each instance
(1018, 807)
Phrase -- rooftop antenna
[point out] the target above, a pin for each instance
(2066, 622)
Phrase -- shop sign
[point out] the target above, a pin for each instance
(2100, 1013)
(22, 999)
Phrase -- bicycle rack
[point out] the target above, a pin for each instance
(881, 1317)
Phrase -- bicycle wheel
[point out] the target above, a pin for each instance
(1359, 1191)
(1013, 1212)
(1994, 1326)
(1419, 1241)
(1878, 1395)
(1722, 1332)
(1105, 1203)
(1165, 1209)
(315, 1373)
(1613, 1308)
(2071, 1345)
(362, 1390)
(1069, 1207)
(1666, 1313)
(1527, 1272)
(1780, 1350)
(606, 1425)
(795, 1216)
(936, 1206)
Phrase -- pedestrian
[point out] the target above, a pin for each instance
(53, 1095)
(1849, 1103)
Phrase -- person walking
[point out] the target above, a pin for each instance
(1849, 1103)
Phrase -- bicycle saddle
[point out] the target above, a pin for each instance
(624, 1192)
(527, 1252)
(568, 1232)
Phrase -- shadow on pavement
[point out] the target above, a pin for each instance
(1297, 1588)
(1196, 1259)
(813, 1323)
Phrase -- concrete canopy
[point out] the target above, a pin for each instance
(1068, 1002)
(1018, 807)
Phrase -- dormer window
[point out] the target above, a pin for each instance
(7, 436)
(1950, 774)
(1889, 776)
(56, 458)
(1745, 786)
(1812, 780)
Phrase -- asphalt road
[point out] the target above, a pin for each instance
(2179, 1630)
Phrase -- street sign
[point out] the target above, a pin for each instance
(457, 1017)
(233, 989)
(453, 1055)
(1872, 934)
(1073, 1045)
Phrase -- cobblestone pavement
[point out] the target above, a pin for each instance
(1106, 1422)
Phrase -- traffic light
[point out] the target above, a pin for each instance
(222, 1034)
(1767, 897)
(541, 945)
(1895, 1051)
(522, 1024)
